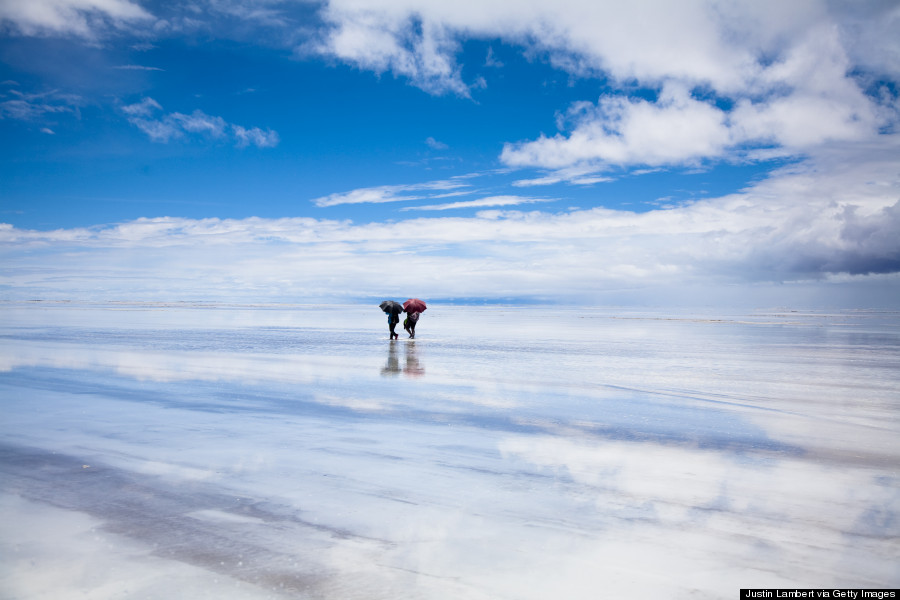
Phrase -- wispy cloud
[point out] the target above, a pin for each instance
(491, 60)
(272, 13)
(147, 116)
(137, 68)
(81, 18)
(490, 201)
(255, 137)
(578, 175)
(397, 193)
(17, 105)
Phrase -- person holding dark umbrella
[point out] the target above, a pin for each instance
(393, 310)
(413, 307)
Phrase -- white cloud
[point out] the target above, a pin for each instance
(811, 99)
(144, 108)
(434, 144)
(830, 218)
(491, 60)
(380, 38)
(163, 128)
(35, 107)
(733, 77)
(24, 110)
(481, 203)
(580, 175)
(396, 193)
(256, 137)
(806, 100)
(689, 82)
(137, 68)
(198, 122)
(676, 129)
(724, 45)
(81, 18)
(266, 12)
(418, 38)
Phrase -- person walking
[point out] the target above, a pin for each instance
(413, 308)
(393, 319)
(392, 310)
(409, 323)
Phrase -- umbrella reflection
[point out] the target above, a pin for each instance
(412, 366)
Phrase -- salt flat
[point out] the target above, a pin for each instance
(278, 451)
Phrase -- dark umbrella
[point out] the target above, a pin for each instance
(389, 306)
(414, 305)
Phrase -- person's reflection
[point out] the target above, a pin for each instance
(412, 368)
(392, 366)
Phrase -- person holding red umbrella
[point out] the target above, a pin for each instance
(413, 307)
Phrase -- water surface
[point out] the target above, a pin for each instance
(194, 451)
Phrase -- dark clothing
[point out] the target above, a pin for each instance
(393, 319)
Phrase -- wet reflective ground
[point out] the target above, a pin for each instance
(185, 451)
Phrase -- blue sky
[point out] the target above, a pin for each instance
(567, 151)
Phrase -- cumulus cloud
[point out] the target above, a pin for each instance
(676, 129)
(840, 222)
(80, 18)
(385, 38)
(418, 39)
(145, 115)
(716, 80)
(726, 46)
(797, 104)
(730, 79)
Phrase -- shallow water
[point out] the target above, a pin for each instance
(194, 451)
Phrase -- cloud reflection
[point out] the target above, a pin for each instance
(677, 505)
(538, 459)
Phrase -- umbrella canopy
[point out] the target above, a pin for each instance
(414, 305)
(389, 306)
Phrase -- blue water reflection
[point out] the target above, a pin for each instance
(260, 451)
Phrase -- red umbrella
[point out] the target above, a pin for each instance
(414, 305)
